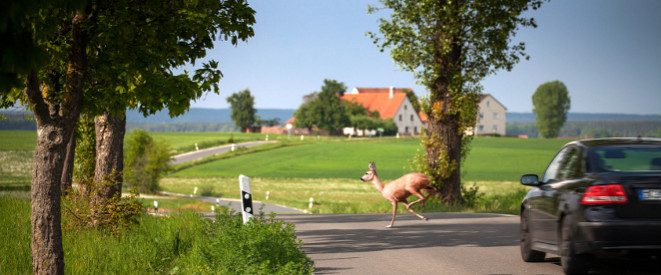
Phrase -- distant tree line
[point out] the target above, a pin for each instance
(570, 129)
(17, 122)
(183, 127)
(592, 129)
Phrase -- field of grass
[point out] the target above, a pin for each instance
(176, 204)
(16, 152)
(326, 169)
(341, 195)
(491, 159)
(184, 142)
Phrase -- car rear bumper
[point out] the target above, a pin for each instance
(619, 235)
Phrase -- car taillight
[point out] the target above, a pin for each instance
(602, 194)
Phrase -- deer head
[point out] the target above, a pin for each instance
(370, 174)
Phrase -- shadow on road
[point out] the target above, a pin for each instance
(331, 238)
(409, 232)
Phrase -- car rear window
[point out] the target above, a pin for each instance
(629, 158)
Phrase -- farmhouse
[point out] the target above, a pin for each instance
(390, 103)
(491, 117)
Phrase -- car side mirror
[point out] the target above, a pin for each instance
(530, 180)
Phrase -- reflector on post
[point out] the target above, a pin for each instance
(246, 198)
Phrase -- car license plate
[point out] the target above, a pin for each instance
(649, 194)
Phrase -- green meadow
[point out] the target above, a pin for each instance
(326, 169)
(490, 159)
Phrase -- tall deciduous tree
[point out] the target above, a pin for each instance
(551, 103)
(243, 110)
(450, 46)
(109, 55)
(161, 38)
(325, 111)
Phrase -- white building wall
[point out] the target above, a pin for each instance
(407, 120)
(491, 117)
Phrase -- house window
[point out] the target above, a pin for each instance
(406, 129)
(495, 115)
(495, 128)
(405, 107)
(415, 130)
(411, 117)
(488, 103)
(400, 117)
(481, 116)
(480, 128)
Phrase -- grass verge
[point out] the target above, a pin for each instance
(177, 244)
(342, 195)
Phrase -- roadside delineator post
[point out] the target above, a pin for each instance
(155, 207)
(246, 198)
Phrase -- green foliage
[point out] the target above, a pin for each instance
(262, 246)
(325, 111)
(450, 46)
(365, 122)
(115, 214)
(471, 194)
(176, 244)
(551, 103)
(414, 100)
(243, 110)
(145, 162)
(85, 156)
(356, 109)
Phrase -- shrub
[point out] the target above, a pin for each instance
(262, 246)
(145, 162)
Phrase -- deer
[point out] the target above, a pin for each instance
(400, 189)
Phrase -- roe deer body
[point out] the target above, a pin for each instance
(400, 189)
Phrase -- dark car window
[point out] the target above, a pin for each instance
(566, 165)
(626, 158)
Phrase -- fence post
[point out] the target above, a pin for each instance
(246, 198)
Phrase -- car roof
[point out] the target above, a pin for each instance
(595, 142)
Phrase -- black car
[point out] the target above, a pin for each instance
(597, 196)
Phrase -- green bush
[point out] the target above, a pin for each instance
(262, 246)
(145, 161)
(185, 243)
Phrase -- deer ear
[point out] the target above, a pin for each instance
(372, 166)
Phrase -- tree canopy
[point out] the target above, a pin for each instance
(325, 110)
(450, 46)
(97, 58)
(243, 110)
(551, 103)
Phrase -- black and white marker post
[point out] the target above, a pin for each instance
(246, 198)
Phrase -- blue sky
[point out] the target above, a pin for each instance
(605, 51)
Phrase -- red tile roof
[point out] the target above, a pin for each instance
(378, 99)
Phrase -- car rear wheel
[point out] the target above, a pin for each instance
(572, 263)
(527, 253)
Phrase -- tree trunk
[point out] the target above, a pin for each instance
(67, 170)
(47, 252)
(56, 113)
(110, 130)
(444, 137)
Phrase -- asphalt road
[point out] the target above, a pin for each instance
(194, 155)
(449, 243)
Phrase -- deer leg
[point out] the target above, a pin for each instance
(422, 199)
(394, 213)
(417, 214)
